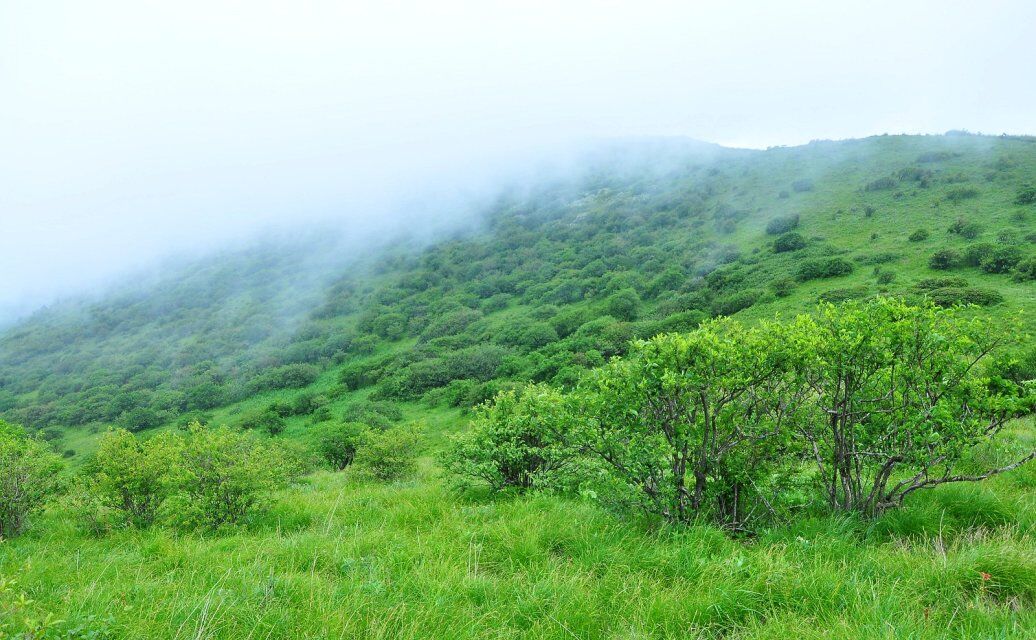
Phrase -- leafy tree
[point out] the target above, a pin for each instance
(517, 440)
(688, 424)
(28, 478)
(896, 400)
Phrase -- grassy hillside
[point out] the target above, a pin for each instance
(646, 238)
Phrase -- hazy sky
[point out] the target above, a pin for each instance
(138, 128)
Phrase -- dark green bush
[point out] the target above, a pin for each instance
(1025, 271)
(783, 224)
(976, 254)
(336, 443)
(826, 268)
(792, 241)
(1026, 196)
(803, 185)
(953, 296)
(944, 259)
(1002, 259)
(919, 235)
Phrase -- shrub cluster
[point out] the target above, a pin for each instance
(201, 478)
(855, 408)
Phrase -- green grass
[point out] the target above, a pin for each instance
(342, 558)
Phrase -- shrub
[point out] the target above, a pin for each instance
(1026, 196)
(1002, 259)
(886, 277)
(269, 420)
(800, 186)
(976, 254)
(28, 478)
(881, 184)
(517, 440)
(201, 478)
(959, 194)
(920, 235)
(847, 293)
(336, 443)
(784, 224)
(388, 455)
(965, 229)
(921, 422)
(132, 477)
(829, 268)
(527, 333)
(944, 259)
(289, 376)
(624, 305)
(791, 241)
(372, 413)
(957, 296)
(684, 426)
(731, 304)
(450, 324)
(928, 284)
(1025, 271)
(224, 476)
(782, 287)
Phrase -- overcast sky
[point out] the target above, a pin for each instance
(130, 130)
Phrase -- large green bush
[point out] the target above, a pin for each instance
(28, 478)
(866, 402)
(199, 478)
(516, 441)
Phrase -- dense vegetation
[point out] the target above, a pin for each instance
(642, 466)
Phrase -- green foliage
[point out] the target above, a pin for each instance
(290, 376)
(624, 305)
(28, 479)
(682, 424)
(959, 194)
(516, 441)
(201, 478)
(919, 235)
(783, 224)
(1025, 270)
(827, 268)
(336, 442)
(791, 241)
(944, 259)
(895, 401)
(389, 455)
(1002, 259)
(1026, 195)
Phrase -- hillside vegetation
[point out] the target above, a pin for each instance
(304, 450)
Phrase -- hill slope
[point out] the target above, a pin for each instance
(645, 238)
